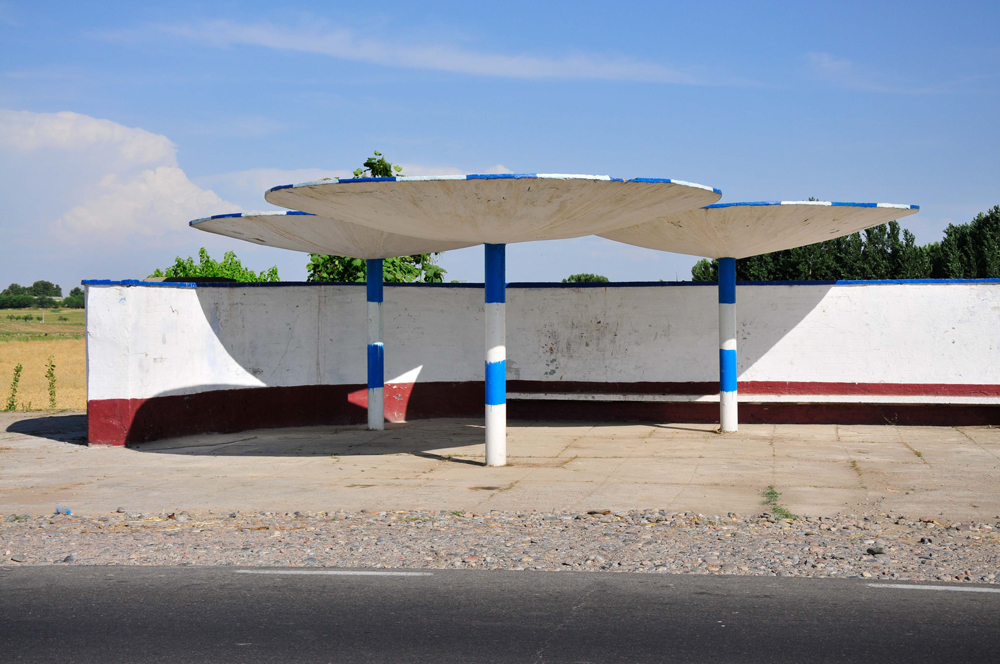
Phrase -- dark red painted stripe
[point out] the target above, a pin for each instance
(756, 387)
(791, 413)
(122, 421)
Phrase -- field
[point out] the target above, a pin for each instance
(55, 324)
(31, 344)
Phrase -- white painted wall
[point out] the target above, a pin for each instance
(145, 341)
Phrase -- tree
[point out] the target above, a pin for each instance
(15, 289)
(886, 251)
(74, 300)
(972, 250)
(585, 278)
(402, 269)
(45, 289)
(230, 268)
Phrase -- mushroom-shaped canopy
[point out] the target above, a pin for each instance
(495, 209)
(301, 231)
(738, 230)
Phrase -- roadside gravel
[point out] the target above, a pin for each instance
(880, 546)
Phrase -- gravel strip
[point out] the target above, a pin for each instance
(879, 546)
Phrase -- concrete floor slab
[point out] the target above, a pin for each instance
(543, 495)
(821, 501)
(881, 452)
(867, 433)
(438, 464)
(830, 474)
(982, 435)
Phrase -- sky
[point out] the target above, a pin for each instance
(121, 122)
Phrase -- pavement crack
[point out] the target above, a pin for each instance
(976, 442)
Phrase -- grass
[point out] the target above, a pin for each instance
(771, 500)
(58, 324)
(69, 355)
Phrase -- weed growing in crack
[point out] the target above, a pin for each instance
(771, 500)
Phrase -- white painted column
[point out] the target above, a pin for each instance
(496, 356)
(376, 352)
(728, 418)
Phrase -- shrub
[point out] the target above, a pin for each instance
(19, 301)
(74, 300)
(585, 278)
(230, 268)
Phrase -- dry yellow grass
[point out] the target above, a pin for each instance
(71, 373)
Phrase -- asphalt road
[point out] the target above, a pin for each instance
(170, 614)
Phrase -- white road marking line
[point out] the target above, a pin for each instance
(330, 572)
(957, 589)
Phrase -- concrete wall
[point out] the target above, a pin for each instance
(164, 359)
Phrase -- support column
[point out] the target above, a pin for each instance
(496, 356)
(376, 358)
(727, 345)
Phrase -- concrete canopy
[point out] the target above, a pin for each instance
(739, 230)
(301, 231)
(495, 209)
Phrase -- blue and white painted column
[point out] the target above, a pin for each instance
(728, 418)
(376, 352)
(496, 356)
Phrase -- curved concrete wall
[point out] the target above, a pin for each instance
(170, 360)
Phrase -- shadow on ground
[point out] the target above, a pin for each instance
(457, 440)
(422, 438)
(60, 428)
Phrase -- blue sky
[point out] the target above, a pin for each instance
(119, 122)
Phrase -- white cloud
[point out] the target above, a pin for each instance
(28, 132)
(151, 203)
(88, 177)
(343, 44)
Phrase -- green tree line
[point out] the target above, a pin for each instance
(967, 251)
(39, 295)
